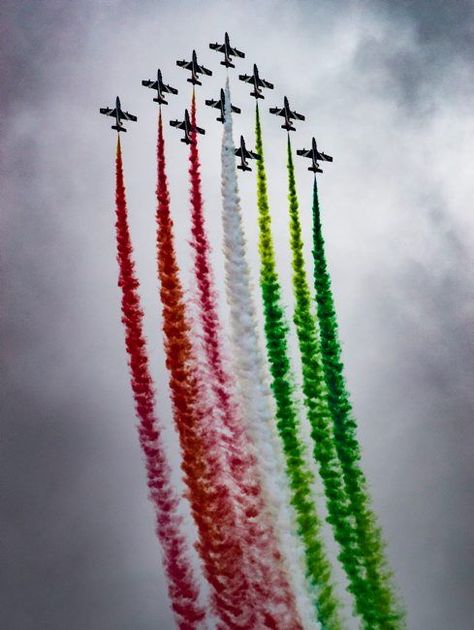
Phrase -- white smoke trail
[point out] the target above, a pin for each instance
(253, 382)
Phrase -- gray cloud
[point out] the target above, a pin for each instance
(442, 35)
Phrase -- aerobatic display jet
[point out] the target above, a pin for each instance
(187, 127)
(288, 114)
(257, 82)
(314, 155)
(220, 104)
(161, 88)
(244, 154)
(118, 114)
(228, 51)
(195, 69)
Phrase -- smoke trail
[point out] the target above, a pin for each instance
(183, 588)
(270, 593)
(379, 578)
(319, 416)
(300, 478)
(249, 362)
(204, 474)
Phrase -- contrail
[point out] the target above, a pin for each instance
(183, 587)
(254, 390)
(309, 526)
(270, 595)
(389, 613)
(212, 506)
(319, 416)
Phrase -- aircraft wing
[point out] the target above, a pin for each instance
(254, 156)
(204, 70)
(277, 111)
(246, 78)
(108, 111)
(127, 116)
(325, 156)
(200, 130)
(297, 116)
(177, 123)
(168, 88)
(267, 84)
(304, 152)
(212, 103)
(150, 84)
(236, 53)
(216, 46)
(235, 109)
(238, 152)
(185, 64)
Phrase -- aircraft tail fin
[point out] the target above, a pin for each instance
(118, 128)
(257, 94)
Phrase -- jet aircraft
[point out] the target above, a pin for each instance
(161, 88)
(118, 114)
(220, 104)
(244, 154)
(257, 82)
(228, 51)
(288, 114)
(314, 154)
(195, 69)
(187, 127)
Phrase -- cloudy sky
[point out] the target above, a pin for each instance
(387, 89)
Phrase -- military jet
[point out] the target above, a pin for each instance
(257, 82)
(118, 114)
(220, 104)
(288, 114)
(244, 154)
(160, 88)
(195, 69)
(228, 51)
(187, 126)
(314, 155)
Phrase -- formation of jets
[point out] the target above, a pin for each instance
(254, 79)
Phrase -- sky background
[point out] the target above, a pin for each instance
(387, 89)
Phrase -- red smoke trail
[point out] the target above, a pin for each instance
(182, 586)
(270, 589)
(211, 503)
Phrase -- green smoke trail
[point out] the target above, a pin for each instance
(300, 478)
(319, 416)
(389, 614)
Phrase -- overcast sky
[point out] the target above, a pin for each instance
(387, 89)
